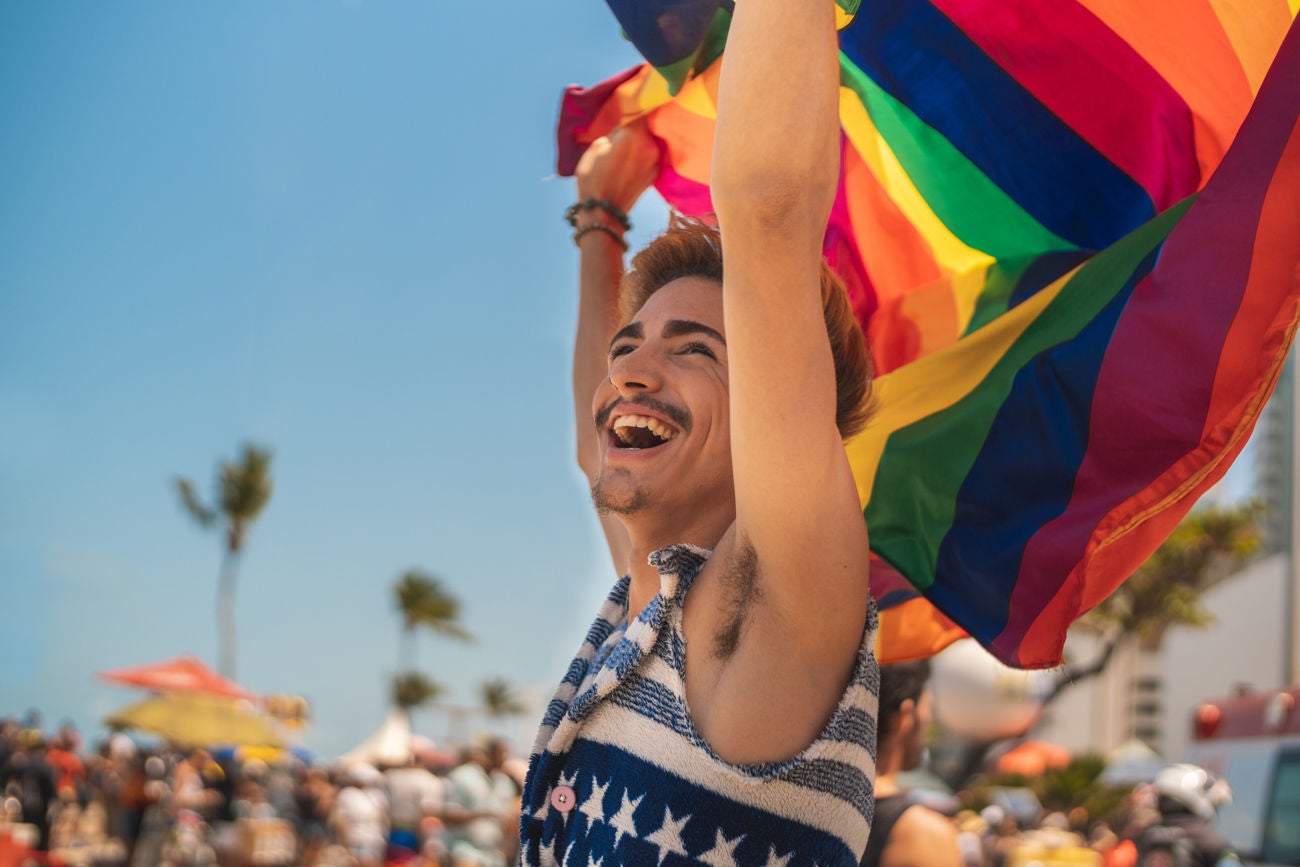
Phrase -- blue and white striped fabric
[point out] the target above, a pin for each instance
(646, 787)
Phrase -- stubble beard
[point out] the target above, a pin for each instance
(615, 500)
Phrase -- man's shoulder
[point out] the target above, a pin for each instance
(922, 836)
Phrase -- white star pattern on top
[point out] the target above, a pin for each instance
(723, 853)
(668, 839)
(593, 808)
(541, 814)
(622, 821)
(774, 860)
(824, 801)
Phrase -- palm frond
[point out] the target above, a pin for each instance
(423, 600)
(244, 487)
(499, 698)
(196, 508)
(412, 689)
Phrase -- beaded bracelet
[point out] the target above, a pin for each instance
(585, 228)
(604, 204)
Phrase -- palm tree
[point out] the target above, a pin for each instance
(499, 699)
(422, 600)
(412, 690)
(242, 491)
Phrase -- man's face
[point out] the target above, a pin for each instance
(662, 416)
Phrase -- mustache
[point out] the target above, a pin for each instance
(676, 415)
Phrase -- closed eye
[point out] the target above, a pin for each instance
(701, 348)
(620, 349)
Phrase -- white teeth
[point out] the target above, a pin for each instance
(656, 427)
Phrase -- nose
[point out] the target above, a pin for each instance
(635, 372)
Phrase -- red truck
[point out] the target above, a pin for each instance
(1252, 740)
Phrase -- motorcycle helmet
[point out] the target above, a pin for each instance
(1194, 789)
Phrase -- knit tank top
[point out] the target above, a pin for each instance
(619, 775)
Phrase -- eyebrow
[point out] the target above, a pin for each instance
(672, 328)
(680, 327)
(633, 330)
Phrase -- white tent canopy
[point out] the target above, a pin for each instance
(1132, 762)
(391, 745)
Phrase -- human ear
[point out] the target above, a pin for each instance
(905, 719)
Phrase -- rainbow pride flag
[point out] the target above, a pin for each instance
(1070, 230)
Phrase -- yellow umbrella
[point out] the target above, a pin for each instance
(197, 720)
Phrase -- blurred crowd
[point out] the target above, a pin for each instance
(119, 804)
(1168, 822)
(993, 837)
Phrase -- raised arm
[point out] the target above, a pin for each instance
(775, 167)
(617, 169)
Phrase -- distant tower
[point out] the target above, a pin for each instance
(1275, 469)
(1275, 463)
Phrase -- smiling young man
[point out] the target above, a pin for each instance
(722, 709)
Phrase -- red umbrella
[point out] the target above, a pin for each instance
(182, 674)
(1032, 758)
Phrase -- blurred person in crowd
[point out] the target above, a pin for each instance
(80, 835)
(155, 822)
(1003, 842)
(69, 771)
(31, 781)
(223, 779)
(8, 741)
(32, 722)
(1103, 840)
(63, 819)
(970, 838)
(1187, 800)
(477, 812)
(135, 799)
(360, 815)
(70, 736)
(280, 791)
(251, 801)
(251, 798)
(109, 777)
(509, 788)
(1137, 813)
(498, 752)
(414, 793)
(189, 790)
(904, 833)
(315, 795)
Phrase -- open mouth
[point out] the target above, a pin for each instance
(640, 432)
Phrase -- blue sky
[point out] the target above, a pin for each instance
(331, 228)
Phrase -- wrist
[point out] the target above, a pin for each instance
(586, 208)
(584, 216)
(588, 228)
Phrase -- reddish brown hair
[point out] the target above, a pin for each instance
(692, 248)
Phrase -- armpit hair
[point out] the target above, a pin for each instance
(740, 591)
